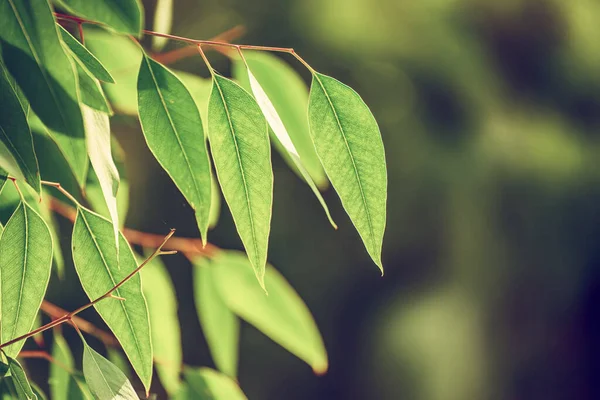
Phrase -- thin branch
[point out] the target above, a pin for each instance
(62, 190)
(44, 355)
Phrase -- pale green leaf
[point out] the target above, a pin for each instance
(95, 258)
(97, 133)
(199, 88)
(105, 381)
(173, 130)
(89, 60)
(15, 132)
(50, 218)
(20, 381)
(25, 265)
(215, 202)
(117, 357)
(61, 368)
(208, 384)
(3, 179)
(166, 336)
(289, 95)
(220, 326)
(91, 91)
(163, 19)
(348, 142)
(282, 135)
(124, 16)
(33, 53)
(239, 142)
(282, 315)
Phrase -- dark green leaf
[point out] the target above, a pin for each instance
(348, 142)
(208, 384)
(125, 16)
(91, 91)
(106, 382)
(20, 381)
(78, 389)
(239, 142)
(86, 57)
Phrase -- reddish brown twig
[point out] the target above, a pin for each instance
(44, 355)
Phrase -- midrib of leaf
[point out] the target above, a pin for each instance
(37, 60)
(18, 153)
(357, 175)
(18, 313)
(101, 373)
(137, 345)
(239, 158)
(162, 100)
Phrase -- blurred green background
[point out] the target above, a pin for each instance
(490, 116)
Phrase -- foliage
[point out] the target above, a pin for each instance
(55, 125)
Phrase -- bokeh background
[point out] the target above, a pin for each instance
(490, 116)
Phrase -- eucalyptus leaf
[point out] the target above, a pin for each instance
(25, 265)
(282, 315)
(173, 130)
(166, 335)
(220, 326)
(15, 132)
(95, 258)
(105, 381)
(89, 60)
(38, 391)
(33, 53)
(78, 389)
(208, 384)
(20, 381)
(163, 19)
(348, 142)
(91, 91)
(215, 202)
(50, 218)
(239, 142)
(3, 179)
(200, 89)
(124, 16)
(61, 368)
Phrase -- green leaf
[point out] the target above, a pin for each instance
(220, 326)
(173, 130)
(91, 91)
(7, 389)
(86, 57)
(200, 89)
(166, 336)
(106, 382)
(348, 142)
(15, 132)
(208, 384)
(22, 385)
(95, 258)
(117, 357)
(124, 16)
(282, 315)
(215, 202)
(284, 139)
(61, 368)
(163, 19)
(33, 53)
(25, 265)
(49, 217)
(38, 391)
(97, 132)
(78, 389)
(3, 179)
(239, 142)
(289, 95)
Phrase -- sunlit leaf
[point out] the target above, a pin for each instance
(348, 142)
(106, 382)
(289, 95)
(282, 315)
(208, 384)
(50, 218)
(166, 336)
(215, 202)
(33, 53)
(95, 258)
(61, 368)
(15, 132)
(173, 130)
(91, 91)
(200, 89)
(25, 265)
(86, 57)
(125, 16)
(20, 381)
(239, 142)
(220, 326)
(163, 19)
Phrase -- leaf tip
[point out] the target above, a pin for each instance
(321, 368)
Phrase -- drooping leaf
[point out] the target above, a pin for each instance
(15, 132)
(61, 368)
(215, 202)
(282, 315)
(33, 53)
(208, 384)
(200, 89)
(239, 142)
(117, 357)
(95, 258)
(124, 16)
(105, 381)
(284, 139)
(289, 95)
(348, 142)
(163, 19)
(25, 265)
(20, 381)
(166, 336)
(220, 326)
(173, 130)
(3, 179)
(97, 133)
(78, 389)
(91, 91)
(50, 218)
(86, 57)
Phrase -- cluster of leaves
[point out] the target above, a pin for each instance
(57, 97)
